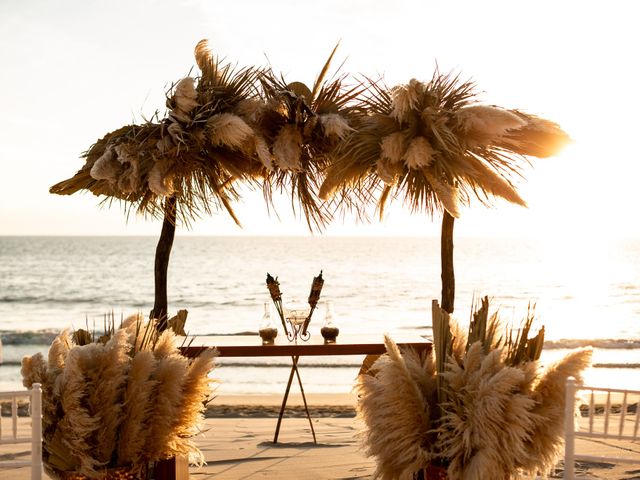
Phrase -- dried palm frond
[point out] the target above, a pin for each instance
(452, 149)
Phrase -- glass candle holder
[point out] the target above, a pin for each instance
(268, 330)
(329, 330)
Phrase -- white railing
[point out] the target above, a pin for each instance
(601, 423)
(35, 399)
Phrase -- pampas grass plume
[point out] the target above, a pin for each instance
(495, 184)
(108, 392)
(165, 345)
(405, 98)
(263, 153)
(228, 130)
(489, 120)
(196, 393)
(203, 55)
(185, 95)
(34, 370)
(287, 148)
(159, 182)
(78, 424)
(170, 375)
(137, 408)
(392, 147)
(106, 167)
(334, 125)
(388, 171)
(549, 395)
(419, 154)
(396, 414)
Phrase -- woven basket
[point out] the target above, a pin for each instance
(135, 472)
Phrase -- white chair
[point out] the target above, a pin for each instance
(619, 427)
(35, 399)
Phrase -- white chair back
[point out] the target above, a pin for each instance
(10, 435)
(618, 420)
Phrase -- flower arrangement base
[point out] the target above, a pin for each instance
(431, 472)
(176, 468)
(135, 472)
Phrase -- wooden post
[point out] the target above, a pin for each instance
(176, 468)
(446, 257)
(163, 252)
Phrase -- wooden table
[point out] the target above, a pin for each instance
(251, 346)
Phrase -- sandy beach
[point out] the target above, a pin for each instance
(237, 443)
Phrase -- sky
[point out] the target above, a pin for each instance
(73, 70)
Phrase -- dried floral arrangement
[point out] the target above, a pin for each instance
(479, 405)
(433, 142)
(125, 399)
(340, 145)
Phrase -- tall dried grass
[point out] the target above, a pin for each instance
(499, 415)
(125, 400)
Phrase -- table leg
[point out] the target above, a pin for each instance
(294, 370)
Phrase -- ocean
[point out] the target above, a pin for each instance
(583, 296)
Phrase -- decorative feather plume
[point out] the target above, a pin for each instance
(419, 154)
(227, 129)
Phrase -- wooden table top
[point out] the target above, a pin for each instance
(251, 345)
